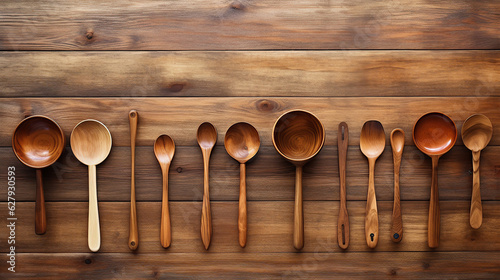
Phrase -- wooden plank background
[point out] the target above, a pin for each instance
(182, 63)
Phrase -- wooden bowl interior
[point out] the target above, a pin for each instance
(164, 149)
(298, 135)
(242, 141)
(38, 141)
(476, 132)
(434, 133)
(91, 142)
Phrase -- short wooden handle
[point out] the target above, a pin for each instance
(434, 224)
(165, 233)
(343, 220)
(298, 224)
(371, 217)
(133, 240)
(206, 215)
(94, 232)
(242, 208)
(40, 216)
(476, 207)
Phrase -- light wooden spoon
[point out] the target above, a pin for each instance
(242, 142)
(372, 144)
(476, 134)
(207, 137)
(91, 144)
(164, 151)
(397, 145)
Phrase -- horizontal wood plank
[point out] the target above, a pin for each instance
(269, 227)
(242, 25)
(261, 73)
(269, 177)
(386, 265)
(180, 117)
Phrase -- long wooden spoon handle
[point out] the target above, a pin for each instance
(242, 209)
(371, 217)
(476, 207)
(206, 215)
(165, 233)
(94, 232)
(133, 239)
(343, 221)
(397, 220)
(298, 224)
(40, 217)
(434, 224)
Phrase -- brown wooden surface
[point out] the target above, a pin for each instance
(183, 63)
(246, 24)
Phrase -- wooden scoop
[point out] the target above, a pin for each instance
(133, 238)
(38, 142)
(434, 134)
(298, 136)
(91, 143)
(372, 144)
(164, 152)
(397, 145)
(476, 134)
(242, 142)
(207, 137)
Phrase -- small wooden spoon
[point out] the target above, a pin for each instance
(164, 151)
(207, 137)
(434, 134)
(133, 238)
(343, 221)
(372, 144)
(298, 136)
(242, 142)
(91, 143)
(476, 134)
(397, 145)
(38, 142)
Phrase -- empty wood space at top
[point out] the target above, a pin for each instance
(247, 24)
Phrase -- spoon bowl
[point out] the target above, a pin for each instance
(242, 142)
(38, 142)
(476, 134)
(372, 144)
(91, 143)
(434, 134)
(298, 136)
(206, 136)
(164, 148)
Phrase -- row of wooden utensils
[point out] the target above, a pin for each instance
(298, 136)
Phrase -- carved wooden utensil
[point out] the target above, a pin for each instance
(133, 238)
(207, 137)
(38, 142)
(164, 151)
(434, 134)
(91, 143)
(298, 136)
(476, 134)
(372, 144)
(343, 221)
(397, 145)
(242, 142)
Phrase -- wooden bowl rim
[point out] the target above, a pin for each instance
(440, 113)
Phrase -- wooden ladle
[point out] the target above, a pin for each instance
(372, 144)
(397, 145)
(207, 137)
(38, 142)
(242, 142)
(164, 151)
(434, 134)
(298, 136)
(476, 134)
(91, 143)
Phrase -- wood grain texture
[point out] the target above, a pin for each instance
(269, 177)
(405, 265)
(270, 227)
(182, 119)
(217, 24)
(250, 73)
